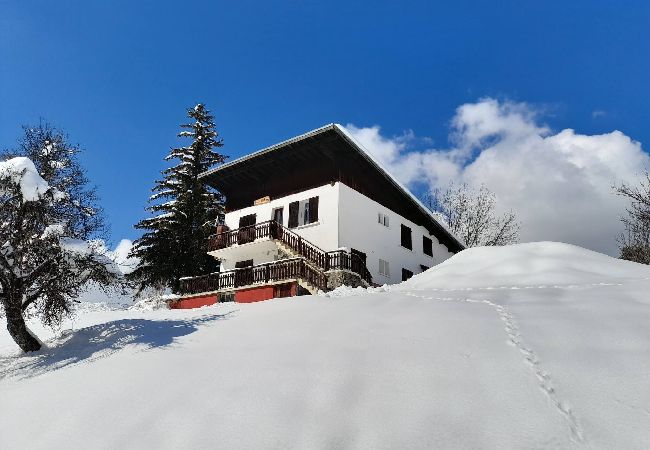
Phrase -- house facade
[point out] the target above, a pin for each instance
(313, 213)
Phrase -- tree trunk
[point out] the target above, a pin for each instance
(17, 328)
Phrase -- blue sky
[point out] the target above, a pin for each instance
(118, 76)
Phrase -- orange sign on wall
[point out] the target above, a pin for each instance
(261, 201)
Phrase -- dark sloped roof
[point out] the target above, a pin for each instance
(320, 156)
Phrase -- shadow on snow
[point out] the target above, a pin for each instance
(100, 341)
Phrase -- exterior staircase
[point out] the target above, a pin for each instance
(309, 265)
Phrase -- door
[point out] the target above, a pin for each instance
(277, 215)
(276, 224)
(244, 273)
(358, 261)
(246, 231)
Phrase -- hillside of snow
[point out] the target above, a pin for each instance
(541, 345)
(527, 265)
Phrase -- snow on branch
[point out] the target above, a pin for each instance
(21, 171)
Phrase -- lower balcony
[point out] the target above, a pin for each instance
(297, 269)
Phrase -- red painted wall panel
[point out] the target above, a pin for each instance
(254, 294)
(194, 302)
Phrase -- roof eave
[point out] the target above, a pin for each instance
(364, 152)
(269, 149)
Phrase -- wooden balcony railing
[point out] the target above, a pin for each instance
(343, 260)
(288, 269)
(338, 259)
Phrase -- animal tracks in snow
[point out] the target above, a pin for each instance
(542, 286)
(530, 358)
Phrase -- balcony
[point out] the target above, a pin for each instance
(294, 244)
(309, 263)
(277, 271)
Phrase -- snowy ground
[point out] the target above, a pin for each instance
(531, 346)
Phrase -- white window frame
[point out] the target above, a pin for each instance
(383, 219)
(384, 268)
(303, 212)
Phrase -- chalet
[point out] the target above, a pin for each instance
(313, 213)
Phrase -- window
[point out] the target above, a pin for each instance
(406, 274)
(226, 297)
(382, 219)
(406, 237)
(277, 215)
(424, 268)
(427, 246)
(384, 269)
(303, 212)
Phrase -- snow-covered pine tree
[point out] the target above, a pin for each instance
(185, 211)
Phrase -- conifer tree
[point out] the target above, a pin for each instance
(185, 211)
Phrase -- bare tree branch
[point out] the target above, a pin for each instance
(634, 242)
(471, 215)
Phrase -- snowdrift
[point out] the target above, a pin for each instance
(539, 345)
(527, 265)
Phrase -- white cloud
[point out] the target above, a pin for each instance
(560, 184)
(120, 256)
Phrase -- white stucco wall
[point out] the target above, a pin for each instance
(323, 233)
(359, 229)
(347, 219)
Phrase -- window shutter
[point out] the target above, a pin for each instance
(406, 237)
(313, 209)
(427, 246)
(293, 214)
(245, 221)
